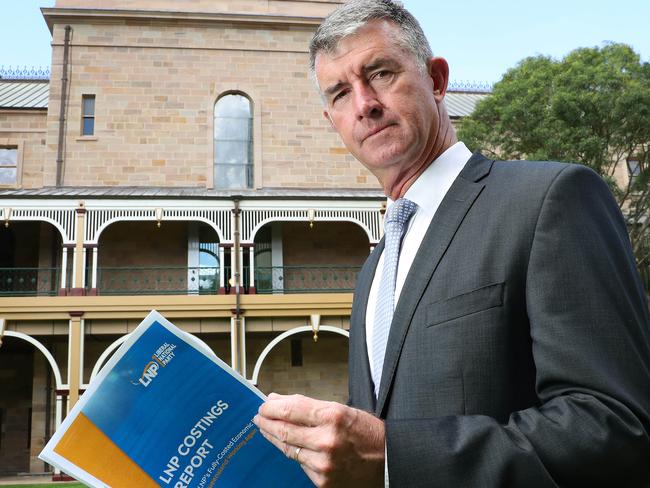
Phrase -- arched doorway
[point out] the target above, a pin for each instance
(30, 404)
(16, 372)
(294, 363)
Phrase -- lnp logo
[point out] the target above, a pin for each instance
(161, 358)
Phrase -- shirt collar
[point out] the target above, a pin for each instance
(432, 185)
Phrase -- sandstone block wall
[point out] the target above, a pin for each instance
(324, 370)
(26, 129)
(156, 84)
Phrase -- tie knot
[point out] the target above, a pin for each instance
(400, 211)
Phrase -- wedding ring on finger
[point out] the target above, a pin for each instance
(296, 454)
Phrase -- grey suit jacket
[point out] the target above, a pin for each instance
(519, 353)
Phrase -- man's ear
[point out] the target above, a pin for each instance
(329, 119)
(438, 71)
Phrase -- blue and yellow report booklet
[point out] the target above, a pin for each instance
(165, 411)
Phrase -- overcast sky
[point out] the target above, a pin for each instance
(481, 39)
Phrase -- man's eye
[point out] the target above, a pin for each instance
(381, 75)
(339, 96)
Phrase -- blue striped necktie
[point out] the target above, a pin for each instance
(397, 217)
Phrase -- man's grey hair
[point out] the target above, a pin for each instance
(351, 16)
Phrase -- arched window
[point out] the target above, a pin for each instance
(233, 142)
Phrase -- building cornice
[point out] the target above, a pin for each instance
(83, 15)
(182, 194)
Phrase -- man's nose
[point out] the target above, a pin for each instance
(367, 103)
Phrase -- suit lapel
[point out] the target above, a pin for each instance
(444, 225)
(359, 361)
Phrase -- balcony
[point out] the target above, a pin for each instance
(181, 280)
(29, 281)
(158, 280)
(182, 258)
(305, 279)
(205, 280)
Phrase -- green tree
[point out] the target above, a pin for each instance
(592, 107)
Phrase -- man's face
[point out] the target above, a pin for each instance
(382, 105)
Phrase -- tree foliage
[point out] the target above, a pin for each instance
(592, 107)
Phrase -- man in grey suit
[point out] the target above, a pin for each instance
(517, 344)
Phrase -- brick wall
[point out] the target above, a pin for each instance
(29, 128)
(324, 370)
(327, 243)
(156, 85)
(143, 244)
(130, 246)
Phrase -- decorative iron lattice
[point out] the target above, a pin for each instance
(29, 281)
(369, 220)
(97, 220)
(25, 73)
(157, 280)
(252, 218)
(306, 279)
(470, 86)
(64, 220)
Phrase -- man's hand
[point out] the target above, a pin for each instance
(335, 444)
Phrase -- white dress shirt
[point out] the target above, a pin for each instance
(427, 192)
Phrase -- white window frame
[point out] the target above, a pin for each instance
(19, 145)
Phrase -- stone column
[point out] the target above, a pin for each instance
(79, 254)
(75, 351)
(238, 344)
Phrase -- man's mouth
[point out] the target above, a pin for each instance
(375, 131)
